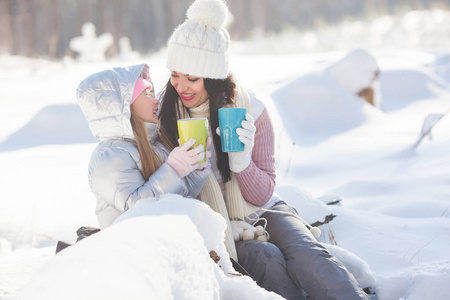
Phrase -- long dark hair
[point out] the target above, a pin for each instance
(221, 93)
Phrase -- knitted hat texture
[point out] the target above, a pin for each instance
(200, 45)
(140, 85)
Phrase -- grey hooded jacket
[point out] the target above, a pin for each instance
(115, 168)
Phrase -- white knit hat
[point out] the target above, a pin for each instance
(199, 46)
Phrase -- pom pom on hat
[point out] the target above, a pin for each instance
(199, 46)
(207, 12)
(140, 85)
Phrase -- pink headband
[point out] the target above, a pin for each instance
(140, 85)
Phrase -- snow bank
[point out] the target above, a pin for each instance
(158, 256)
(54, 124)
(359, 268)
(208, 223)
(405, 254)
(314, 210)
(402, 87)
(316, 106)
(308, 207)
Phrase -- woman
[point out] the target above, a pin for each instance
(130, 163)
(242, 183)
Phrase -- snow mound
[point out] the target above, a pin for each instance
(310, 209)
(161, 256)
(208, 223)
(355, 71)
(401, 87)
(53, 125)
(315, 106)
(359, 268)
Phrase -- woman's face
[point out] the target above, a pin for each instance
(146, 107)
(191, 89)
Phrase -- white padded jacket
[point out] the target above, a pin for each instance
(115, 170)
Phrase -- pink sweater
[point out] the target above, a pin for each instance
(257, 181)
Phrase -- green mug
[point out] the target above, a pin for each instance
(196, 128)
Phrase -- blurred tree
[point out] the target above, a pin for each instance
(45, 27)
(21, 27)
(6, 39)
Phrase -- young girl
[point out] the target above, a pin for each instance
(241, 184)
(131, 161)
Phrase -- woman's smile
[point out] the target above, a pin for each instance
(187, 97)
(191, 89)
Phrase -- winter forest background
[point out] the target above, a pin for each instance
(44, 28)
(388, 163)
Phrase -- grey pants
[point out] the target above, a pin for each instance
(293, 261)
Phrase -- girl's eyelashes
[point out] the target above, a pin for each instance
(150, 93)
(193, 80)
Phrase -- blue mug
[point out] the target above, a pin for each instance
(230, 119)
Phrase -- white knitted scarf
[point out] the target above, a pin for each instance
(232, 205)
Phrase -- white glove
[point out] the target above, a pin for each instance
(239, 161)
(184, 161)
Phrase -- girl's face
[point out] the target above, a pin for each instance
(191, 89)
(146, 107)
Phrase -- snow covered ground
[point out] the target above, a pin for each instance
(392, 225)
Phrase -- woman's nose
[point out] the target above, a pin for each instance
(181, 86)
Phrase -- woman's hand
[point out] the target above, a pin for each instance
(184, 161)
(239, 161)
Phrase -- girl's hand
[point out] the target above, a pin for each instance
(184, 161)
